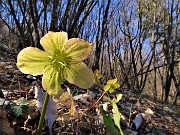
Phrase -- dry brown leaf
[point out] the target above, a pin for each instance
(149, 111)
(84, 98)
(2, 66)
(2, 114)
(67, 100)
(5, 127)
(147, 115)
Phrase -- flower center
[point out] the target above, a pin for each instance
(112, 86)
(60, 61)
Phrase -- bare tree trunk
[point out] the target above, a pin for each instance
(54, 16)
(22, 42)
(100, 35)
(154, 56)
(35, 19)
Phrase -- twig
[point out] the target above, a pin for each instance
(94, 103)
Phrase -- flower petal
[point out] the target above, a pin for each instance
(51, 81)
(116, 86)
(106, 88)
(111, 90)
(80, 75)
(78, 48)
(53, 41)
(113, 81)
(32, 61)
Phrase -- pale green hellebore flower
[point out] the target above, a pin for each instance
(62, 59)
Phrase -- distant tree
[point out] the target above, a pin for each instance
(35, 17)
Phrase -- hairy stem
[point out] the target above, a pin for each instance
(94, 103)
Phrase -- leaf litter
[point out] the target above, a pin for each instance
(64, 118)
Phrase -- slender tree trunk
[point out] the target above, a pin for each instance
(54, 16)
(154, 57)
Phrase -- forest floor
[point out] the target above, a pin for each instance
(19, 112)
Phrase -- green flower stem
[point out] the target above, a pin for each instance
(41, 121)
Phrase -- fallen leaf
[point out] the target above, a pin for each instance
(84, 98)
(117, 98)
(147, 115)
(167, 109)
(5, 128)
(169, 119)
(66, 100)
(51, 110)
(4, 102)
(137, 121)
(177, 122)
(105, 106)
(149, 111)
(2, 114)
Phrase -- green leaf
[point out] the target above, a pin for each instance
(24, 102)
(17, 111)
(25, 111)
(10, 106)
(117, 98)
(116, 117)
(24, 107)
(13, 104)
(108, 122)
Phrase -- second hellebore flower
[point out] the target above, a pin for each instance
(62, 59)
(111, 85)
